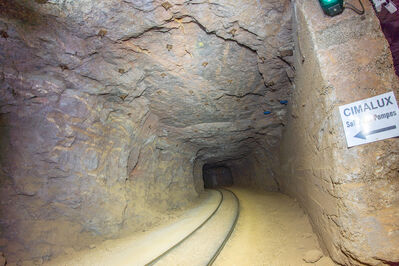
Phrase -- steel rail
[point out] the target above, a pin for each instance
(230, 231)
(190, 234)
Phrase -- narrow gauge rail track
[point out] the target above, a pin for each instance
(226, 238)
(212, 260)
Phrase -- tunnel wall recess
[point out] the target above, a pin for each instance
(350, 194)
(217, 176)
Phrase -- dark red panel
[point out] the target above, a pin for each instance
(390, 27)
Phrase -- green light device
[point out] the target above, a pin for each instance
(332, 7)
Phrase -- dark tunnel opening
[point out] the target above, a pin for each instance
(217, 176)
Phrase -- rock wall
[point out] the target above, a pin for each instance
(258, 170)
(76, 168)
(351, 195)
(109, 110)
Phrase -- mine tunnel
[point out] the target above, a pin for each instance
(217, 176)
(146, 132)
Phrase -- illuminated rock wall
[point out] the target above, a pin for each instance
(351, 195)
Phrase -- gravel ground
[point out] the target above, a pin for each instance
(272, 230)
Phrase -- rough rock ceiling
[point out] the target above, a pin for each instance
(207, 69)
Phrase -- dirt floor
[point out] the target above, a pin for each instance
(272, 230)
(200, 247)
(141, 247)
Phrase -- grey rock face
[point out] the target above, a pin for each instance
(109, 109)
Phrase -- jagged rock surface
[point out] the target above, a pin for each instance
(108, 108)
(350, 194)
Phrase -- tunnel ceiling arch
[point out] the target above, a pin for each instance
(207, 70)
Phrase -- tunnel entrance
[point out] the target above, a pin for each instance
(216, 176)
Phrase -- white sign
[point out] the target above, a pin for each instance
(369, 120)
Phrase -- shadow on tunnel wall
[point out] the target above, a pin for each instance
(217, 176)
(23, 12)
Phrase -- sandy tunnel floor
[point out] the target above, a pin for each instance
(272, 230)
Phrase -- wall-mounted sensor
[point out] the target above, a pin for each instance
(332, 7)
(335, 7)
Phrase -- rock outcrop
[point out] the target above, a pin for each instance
(350, 194)
(109, 109)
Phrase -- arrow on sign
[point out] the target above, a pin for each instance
(363, 135)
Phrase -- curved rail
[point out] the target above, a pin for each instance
(215, 255)
(230, 231)
(190, 234)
